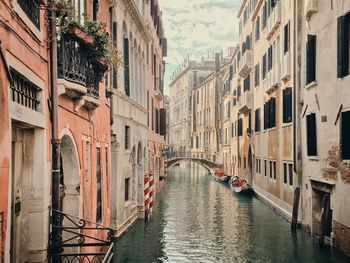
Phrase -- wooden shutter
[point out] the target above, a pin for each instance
(286, 38)
(344, 135)
(272, 113)
(162, 114)
(311, 59)
(287, 105)
(266, 118)
(311, 134)
(343, 49)
(126, 67)
(257, 120)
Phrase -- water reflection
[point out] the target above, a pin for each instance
(198, 219)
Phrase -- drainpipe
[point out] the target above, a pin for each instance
(55, 141)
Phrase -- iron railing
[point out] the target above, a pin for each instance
(79, 240)
(75, 65)
(32, 10)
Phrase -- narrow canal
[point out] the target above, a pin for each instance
(198, 219)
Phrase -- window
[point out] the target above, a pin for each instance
(245, 163)
(106, 159)
(264, 66)
(257, 75)
(274, 170)
(311, 134)
(287, 105)
(95, 7)
(127, 137)
(257, 29)
(246, 83)
(257, 165)
(285, 175)
(264, 16)
(271, 176)
(345, 135)
(98, 186)
(286, 37)
(240, 127)
(270, 58)
(127, 189)
(126, 67)
(310, 59)
(257, 120)
(32, 10)
(23, 91)
(265, 166)
(290, 168)
(270, 114)
(343, 45)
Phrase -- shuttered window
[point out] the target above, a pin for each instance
(127, 137)
(264, 66)
(272, 113)
(265, 166)
(162, 114)
(286, 37)
(290, 168)
(310, 59)
(257, 75)
(257, 29)
(266, 116)
(246, 83)
(287, 105)
(257, 120)
(115, 69)
(345, 135)
(343, 45)
(98, 186)
(311, 134)
(270, 58)
(285, 173)
(127, 189)
(264, 16)
(240, 127)
(126, 67)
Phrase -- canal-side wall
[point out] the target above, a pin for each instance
(324, 124)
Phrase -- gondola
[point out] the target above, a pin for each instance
(219, 174)
(239, 185)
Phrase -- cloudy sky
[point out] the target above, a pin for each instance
(196, 27)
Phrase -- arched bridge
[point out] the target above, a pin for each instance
(176, 157)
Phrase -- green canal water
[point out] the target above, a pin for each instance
(198, 219)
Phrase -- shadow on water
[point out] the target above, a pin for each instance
(198, 219)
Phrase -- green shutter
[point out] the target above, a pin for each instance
(126, 67)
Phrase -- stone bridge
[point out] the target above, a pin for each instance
(177, 157)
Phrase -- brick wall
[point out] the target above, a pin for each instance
(341, 238)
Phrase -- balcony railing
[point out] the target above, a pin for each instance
(245, 102)
(246, 63)
(75, 65)
(32, 10)
(273, 21)
(79, 240)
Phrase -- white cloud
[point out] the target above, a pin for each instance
(197, 27)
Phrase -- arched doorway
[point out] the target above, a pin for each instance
(69, 178)
(69, 184)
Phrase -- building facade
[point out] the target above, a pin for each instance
(188, 76)
(24, 142)
(324, 118)
(156, 117)
(129, 129)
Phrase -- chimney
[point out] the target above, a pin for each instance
(217, 61)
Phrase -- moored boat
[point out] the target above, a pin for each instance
(239, 185)
(219, 174)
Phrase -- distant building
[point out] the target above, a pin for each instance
(183, 81)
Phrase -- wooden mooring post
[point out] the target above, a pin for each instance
(295, 208)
